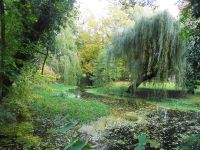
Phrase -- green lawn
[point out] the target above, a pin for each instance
(191, 102)
(114, 89)
(120, 88)
(158, 85)
(56, 99)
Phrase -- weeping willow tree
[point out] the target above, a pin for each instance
(69, 68)
(152, 48)
(66, 61)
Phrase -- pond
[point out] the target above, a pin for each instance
(165, 129)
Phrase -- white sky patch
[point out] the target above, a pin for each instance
(169, 5)
(96, 7)
(99, 8)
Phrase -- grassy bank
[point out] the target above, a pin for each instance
(56, 98)
(118, 89)
(192, 102)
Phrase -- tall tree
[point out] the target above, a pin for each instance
(152, 48)
(105, 71)
(2, 46)
(89, 45)
(190, 18)
(28, 22)
(65, 62)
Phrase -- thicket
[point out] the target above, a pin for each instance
(65, 61)
(17, 130)
(28, 36)
(191, 33)
(28, 28)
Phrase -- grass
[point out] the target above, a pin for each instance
(159, 86)
(192, 102)
(115, 89)
(120, 88)
(56, 99)
(50, 90)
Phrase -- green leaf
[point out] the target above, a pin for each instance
(142, 139)
(70, 144)
(59, 121)
(139, 147)
(75, 144)
(67, 128)
(79, 145)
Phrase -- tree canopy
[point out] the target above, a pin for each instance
(152, 48)
(191, 33)
(26, 26)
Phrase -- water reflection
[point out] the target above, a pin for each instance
(171, 125)
(164, 113)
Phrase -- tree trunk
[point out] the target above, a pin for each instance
(2, 47)
(134, 86)
(44, 62)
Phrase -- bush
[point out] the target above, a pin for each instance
(16, 129)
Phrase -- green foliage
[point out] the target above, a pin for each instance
(20, 95)
(78, 109)
(119, 88)
(190, 18)
(66, 128)
(93, 37)
(195, 8)
(152, 47)
(142, 142)
(89, 44)
(35, 109)
(56, 117)
(66, 62)
(27, 26)
(108, 71)
(190, 103)
(16, 125)
(116, 19)
(112, 89)
(6, 116)
(159, 85)
(191, 142)
(104, 72)
(21, 133)
(77, 144)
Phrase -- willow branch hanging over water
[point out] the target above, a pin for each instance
(152, 48)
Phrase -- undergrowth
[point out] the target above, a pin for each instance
(16, 128)
(37, 108)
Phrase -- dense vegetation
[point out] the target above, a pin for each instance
(152, 48)
(128, 80)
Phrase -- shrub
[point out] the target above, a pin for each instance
(16, 130)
